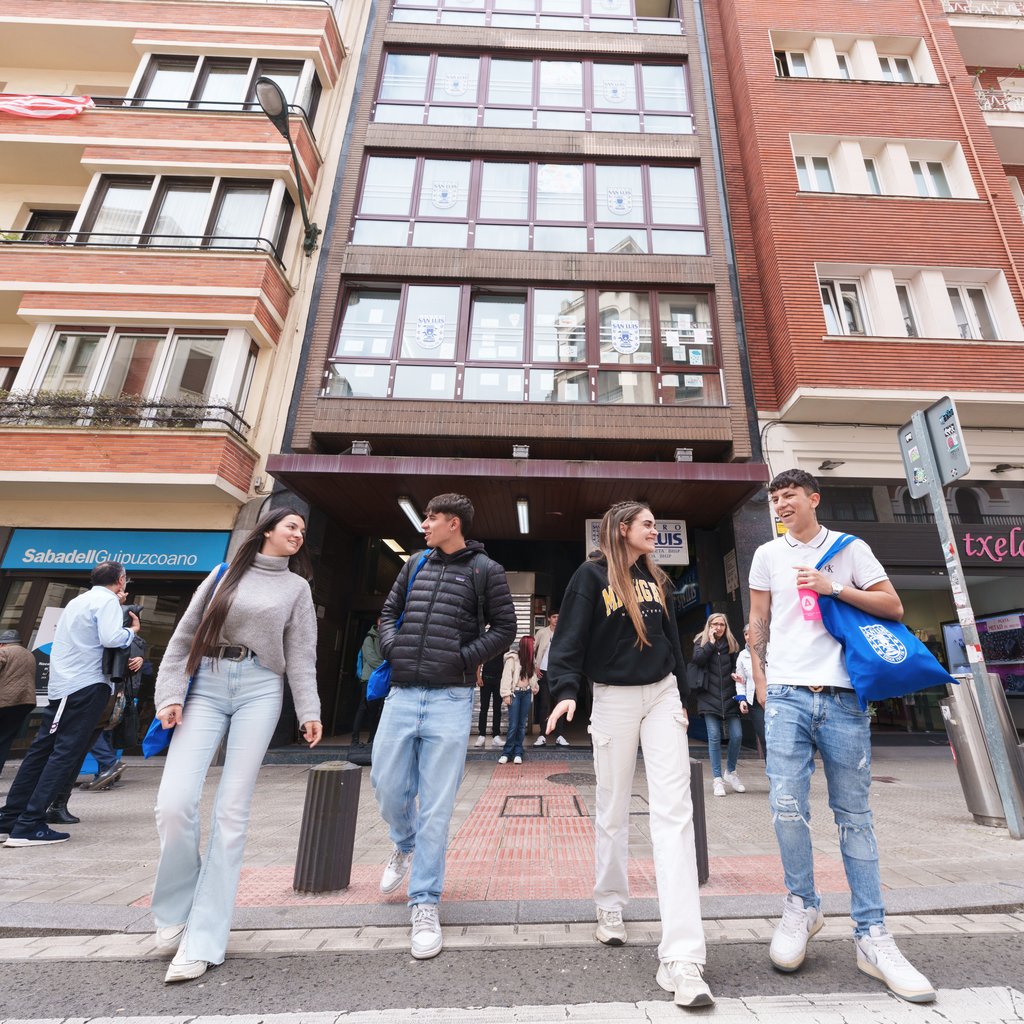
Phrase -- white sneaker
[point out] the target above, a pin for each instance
(181, 969)
(539, 741)
(396, 869)
(686, 981)
(734, 780)
(793, 932)
(610, 928)
(169, 939)
(517, 759)
(480, 740)
(426, 931)
(879, 956)
(503, 759)
(562, 741)
(718, 787)
(498, 741)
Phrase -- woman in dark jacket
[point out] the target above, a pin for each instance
(715, 650)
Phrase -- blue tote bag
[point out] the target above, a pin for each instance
(379, 683)
(884, 659)
(157, 738)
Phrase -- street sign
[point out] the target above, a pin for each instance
(947, 443)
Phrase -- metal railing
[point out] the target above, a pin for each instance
(981, 520)
(1000, 101)
(93, 412)
(143, 240)
(199, 106)
(1001, 8)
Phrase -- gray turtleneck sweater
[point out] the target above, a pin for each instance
(272, 614)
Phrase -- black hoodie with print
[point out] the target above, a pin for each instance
(596, 640)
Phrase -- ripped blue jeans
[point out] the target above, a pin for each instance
(798, 723)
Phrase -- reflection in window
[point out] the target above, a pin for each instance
(436, 382)
(359, 380)
(625, 327)
(625, 387)
(71, 362)
(431, 319)
(559, 385)
(493, 384)
(685, 323)
(193, 363)
(559, 326)
(368, 327)
(131, 368)
(498, 327)
(181, 213)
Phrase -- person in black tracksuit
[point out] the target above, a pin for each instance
(715, 650)
(618, 629)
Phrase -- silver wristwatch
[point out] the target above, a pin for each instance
(837, 588)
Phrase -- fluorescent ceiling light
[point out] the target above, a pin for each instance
(523, 512)
(406, 505)
(394, 545)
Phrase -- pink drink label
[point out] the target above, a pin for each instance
(809, 604)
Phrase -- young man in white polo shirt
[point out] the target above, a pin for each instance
(810, 707)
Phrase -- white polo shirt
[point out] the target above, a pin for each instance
(802, 652)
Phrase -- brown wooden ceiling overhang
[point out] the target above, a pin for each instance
(360, 492)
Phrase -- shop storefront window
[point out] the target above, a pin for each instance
(496, 92)
(467, 343)
(546, 207)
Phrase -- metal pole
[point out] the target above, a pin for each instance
(998, 753)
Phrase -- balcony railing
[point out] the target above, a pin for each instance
(1000, 8)
(189, 106)
(981, 520)
(147, 240)
(1000, 101)
(96, 412)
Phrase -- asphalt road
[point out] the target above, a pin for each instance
(507, 977)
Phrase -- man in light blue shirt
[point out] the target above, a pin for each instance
(78, 693)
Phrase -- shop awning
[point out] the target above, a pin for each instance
(361, 492)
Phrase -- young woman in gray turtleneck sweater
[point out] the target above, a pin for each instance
(241, 633)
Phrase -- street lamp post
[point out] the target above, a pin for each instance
(275, 106)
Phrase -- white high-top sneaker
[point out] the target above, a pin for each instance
(793, 932)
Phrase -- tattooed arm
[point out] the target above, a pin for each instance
(760, 616)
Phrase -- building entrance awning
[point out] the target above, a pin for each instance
(361, 492)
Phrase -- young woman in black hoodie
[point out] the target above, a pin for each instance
(617, 628)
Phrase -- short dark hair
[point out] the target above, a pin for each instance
(453, 505)
(106, 573)
(794, 478)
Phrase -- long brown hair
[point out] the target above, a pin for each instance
(526, 665)
(613, 546)
(207, 635)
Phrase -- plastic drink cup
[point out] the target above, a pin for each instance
(809, 604)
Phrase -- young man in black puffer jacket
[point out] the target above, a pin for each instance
(456, 614)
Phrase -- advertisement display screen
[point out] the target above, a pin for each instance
(1002, 644)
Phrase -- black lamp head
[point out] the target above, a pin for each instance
(273, 103)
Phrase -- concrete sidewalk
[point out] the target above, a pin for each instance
(521, 856)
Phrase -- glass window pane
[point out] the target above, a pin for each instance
(418, 17)
(874, 185)
(381, 232)
(691, 389)
(559, 385)
(621, 240)
(492, 384)
(224, 84)
(960, 313)
(445, 236)
(560, 192)
(674, 195)
(510, 83)
(405, 77)
(560, 239)
(120, 211)
(497, 327)
(463, 18)
(609, 7)
(803, 176)
(192, 367)
(505, 191)
(982, 314)
(625, 387)
(625, 335)
(72, 361)
(387, 187)
(131, 369)
(940, 185)
(620, 194)
(368, 327)
(456, 78)
(559, 326)
(431, 382)
(909, 324)
(919, 179)
(431, 322)
(615, 122)
(679, 243)
(843, 61)
(452, 115)
(561, 120)
(513, 20)
(615, 86)
(360, 380)
(822, 174)
(664, 88)
(685, 322)
(169, 82)
(660, 26)
(285, 76)
(444, 191)
(394, 113)
(828, 308)
(798, 65)
(502, 236)
(560, 23)
(561, 6)
(501, 118)
(658, 125)
(852, 315)
(561, 83)
(181, 213)
(241, 211)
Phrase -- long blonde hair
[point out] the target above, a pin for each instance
(613, 546)
(704, 636)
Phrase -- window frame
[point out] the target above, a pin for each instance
(923, 171)
(963, 289)
(911, 321)
(806, 162)
(785, 65)
(890, 71)
(836, 287)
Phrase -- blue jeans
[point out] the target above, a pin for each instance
(798, 723)
(713, 723)
(103, 750)
(518, 713)
(419, 756)
(242, 699)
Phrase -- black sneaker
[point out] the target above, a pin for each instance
(107, 778)
(41, 837)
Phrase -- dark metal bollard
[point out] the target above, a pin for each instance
(324, 860)
(700, 824)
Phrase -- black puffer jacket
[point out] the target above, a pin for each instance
(717, 696)
(439, 641)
